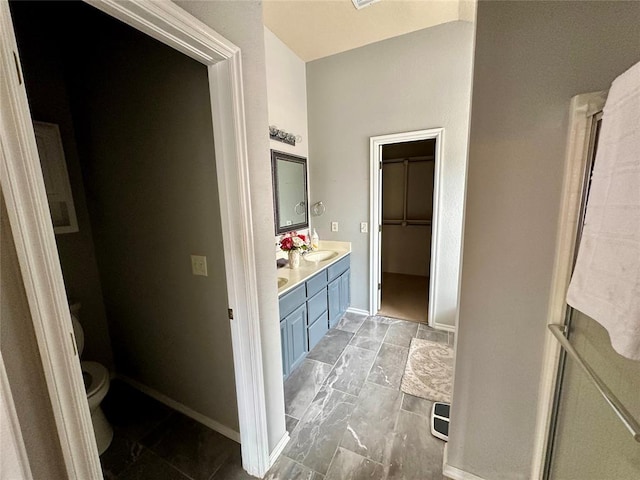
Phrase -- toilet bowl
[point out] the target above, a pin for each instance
(96, 384)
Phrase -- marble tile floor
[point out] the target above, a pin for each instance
(346, 414)
(347, 418)
(152, 441)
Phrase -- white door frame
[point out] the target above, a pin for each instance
(375, 199)
(23, 188)
(14, 459)
(583, 108)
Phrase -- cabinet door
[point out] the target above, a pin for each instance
(333, 296)
(345, 291)
(284, 345)
(297, 336)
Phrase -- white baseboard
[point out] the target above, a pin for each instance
(359, 311)
(169, 402)
(443, 327)
(455, 473)
(273, 456)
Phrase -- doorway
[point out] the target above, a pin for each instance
(405, 172)
(407, 211)
(139, 150)
(24, 192)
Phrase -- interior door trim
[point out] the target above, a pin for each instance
(24, 192)
(583, 108)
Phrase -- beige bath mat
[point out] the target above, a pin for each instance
(429, 371)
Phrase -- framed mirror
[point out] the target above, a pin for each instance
(290, 201)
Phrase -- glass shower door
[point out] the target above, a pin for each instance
(590, 442)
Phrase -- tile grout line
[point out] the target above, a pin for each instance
(384, 386)
(377, 351)
(324, 384)
(301, 464)
(317, 361)
(398, 411)
(226, 461)
(336, 450)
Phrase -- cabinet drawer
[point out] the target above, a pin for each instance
(317, 330)
(316, 283)
(317, 305)
(292, 300)
(339, 267)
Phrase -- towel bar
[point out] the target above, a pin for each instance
(623, 414)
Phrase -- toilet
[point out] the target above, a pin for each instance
(96, 384)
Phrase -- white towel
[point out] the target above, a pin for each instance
(606, 280)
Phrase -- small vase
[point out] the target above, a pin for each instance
(294, 259)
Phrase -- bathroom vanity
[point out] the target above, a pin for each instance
(312, 299)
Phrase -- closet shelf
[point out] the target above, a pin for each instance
(407, 222)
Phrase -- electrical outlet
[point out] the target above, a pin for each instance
(334, 226)
(364, 227)
(199, 265)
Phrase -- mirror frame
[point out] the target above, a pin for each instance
(275, 156)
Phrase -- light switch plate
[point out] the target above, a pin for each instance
(199, 265)
(334, 226)
(364, 227)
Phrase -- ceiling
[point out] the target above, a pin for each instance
(318, 28)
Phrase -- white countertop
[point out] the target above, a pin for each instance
(308, 269)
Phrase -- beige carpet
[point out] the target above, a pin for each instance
(429, 371)
(405, 297)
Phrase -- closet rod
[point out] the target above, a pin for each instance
(618, 408)
(429, 158)
(424, 223)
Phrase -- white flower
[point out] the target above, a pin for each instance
(298, 242)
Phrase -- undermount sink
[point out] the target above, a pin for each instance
(320, 255)
(282, 282)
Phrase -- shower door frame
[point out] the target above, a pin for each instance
(582, 119)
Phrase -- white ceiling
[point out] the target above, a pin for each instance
(318, 28)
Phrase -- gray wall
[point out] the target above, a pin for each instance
(40, 52)
(241, 23)
(417, 81)
(23, 364)
(286, 93)
(143, 119)
(531, 58)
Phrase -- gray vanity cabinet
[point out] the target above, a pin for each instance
(345, 291)
(307, 312)
(317, 313)
(293, 328)
(339, 290)
(285, 348)
(334, 302)
(296, 336)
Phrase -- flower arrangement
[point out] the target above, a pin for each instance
(294, 241)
